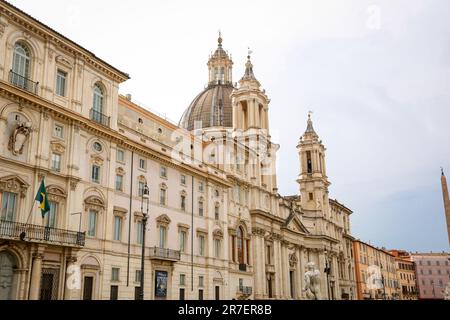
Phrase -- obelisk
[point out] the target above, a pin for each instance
(446, 202)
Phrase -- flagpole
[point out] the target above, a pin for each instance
(31, 211)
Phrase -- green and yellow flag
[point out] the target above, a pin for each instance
(41, 196)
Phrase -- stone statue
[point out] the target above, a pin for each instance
(18, 138)
(447, 292)
(312, 282)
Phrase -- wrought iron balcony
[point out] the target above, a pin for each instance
(164, 254)
(246, 291)
(23, 83)
(34, 233)
(99, 117)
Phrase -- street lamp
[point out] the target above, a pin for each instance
(327, 271)
(145, 195)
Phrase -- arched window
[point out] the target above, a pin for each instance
(21, 65)
(98, 99)
(240, 245)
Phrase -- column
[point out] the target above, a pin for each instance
(250, 112)
(235, 116)
(36, 272)
(259, 263)
(285, 292)
(300, 272)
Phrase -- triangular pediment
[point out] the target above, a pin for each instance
(293, 223)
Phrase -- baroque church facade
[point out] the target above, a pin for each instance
(216, 225)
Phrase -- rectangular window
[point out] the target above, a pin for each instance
(183, 179)
(58, 131)
(117, 228)
(92, 229)
(201, 281)
(56, 162)
(137, 276)
(162, 237)
(201, 245)
(216, 212)
(141, 188)
(163, 172)
(200, 294)
(95, 174)
(51, 216)
(119, 182)
(200, 208)
(217, 248)
(120, 155)
(8, 209)
(139, 232)
(183, 203)
(61, 77)
(142, 164)
(162, 197)
(115, 274)
(200, 186)
(183, 236)
(182, 279)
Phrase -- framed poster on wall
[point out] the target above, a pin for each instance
(160, 284)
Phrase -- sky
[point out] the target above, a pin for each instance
(375, 74)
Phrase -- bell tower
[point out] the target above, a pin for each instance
(250, 103)
(251, 124)
(312, 179)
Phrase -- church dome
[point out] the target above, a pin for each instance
(212, 107)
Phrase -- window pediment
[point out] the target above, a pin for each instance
(120, 171)
(120, 212)
(184, 226)
(56, 193)
(14, 183)
(97, 160)
(94, 203)
(201, 231)
(57, 146)
(218, 234)
(163, 220)
(64, 61)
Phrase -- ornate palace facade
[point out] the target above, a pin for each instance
(217, 226)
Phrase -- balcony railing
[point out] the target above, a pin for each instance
(23, 83)
(246, 291)
(35, 233)
(99, 117)
(164, 254)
